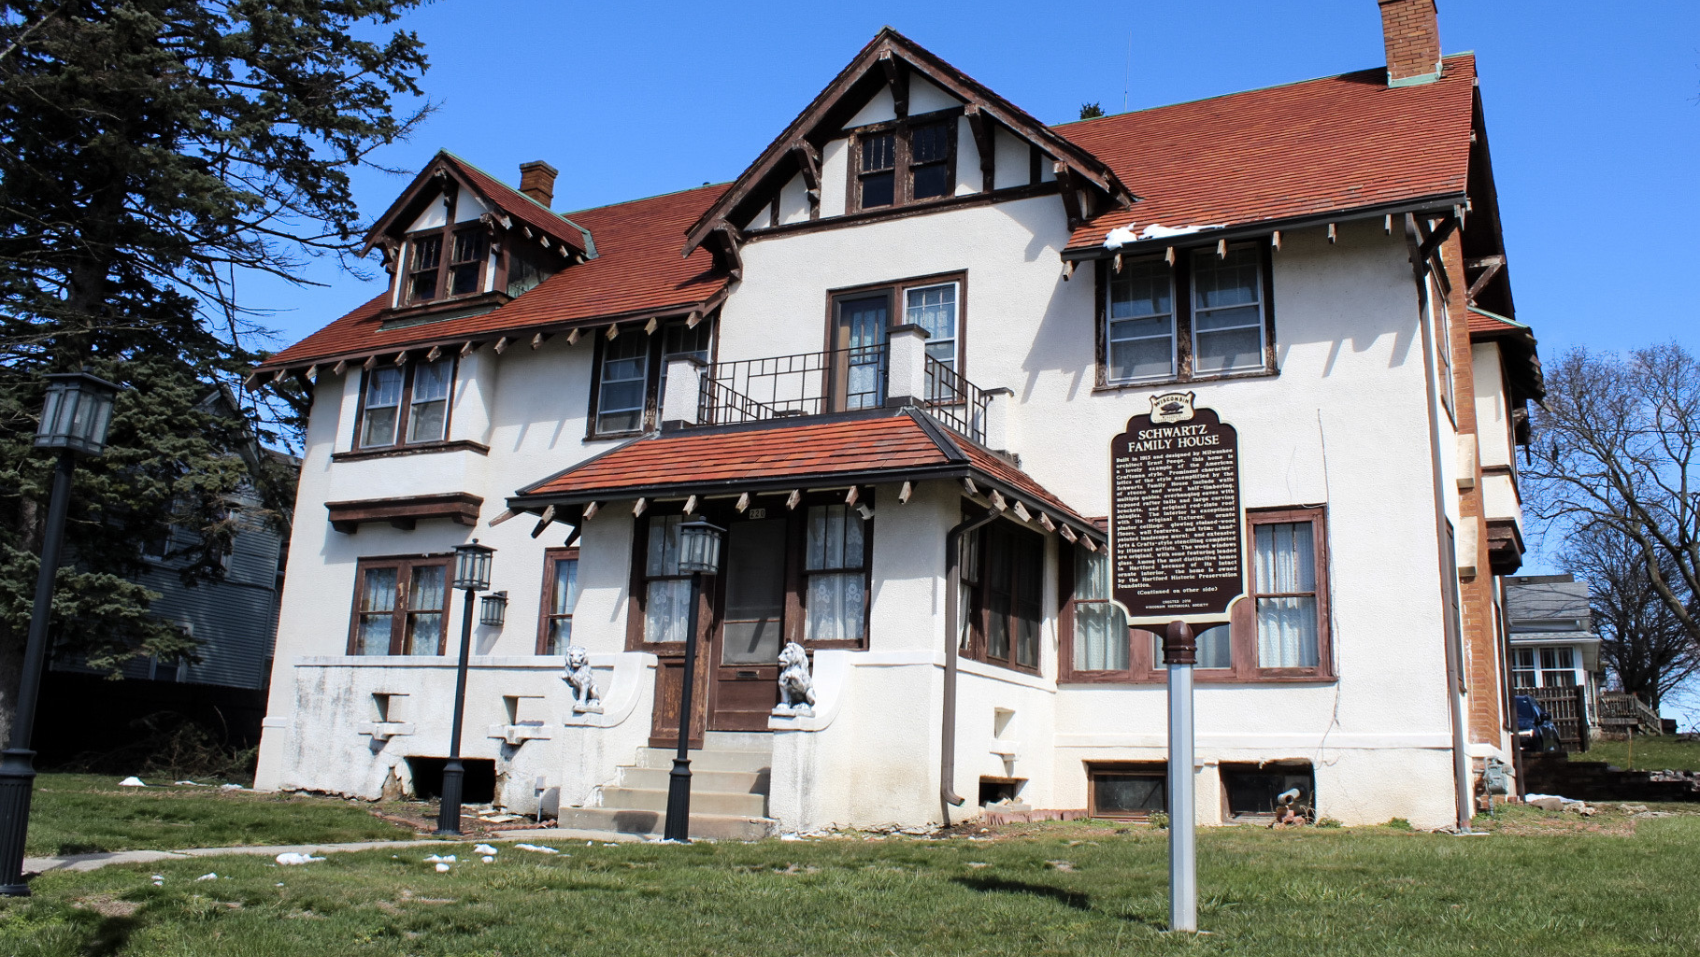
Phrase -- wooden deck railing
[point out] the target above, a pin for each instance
(1569, 710)
(1620, 711)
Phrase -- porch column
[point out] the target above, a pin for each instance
(681, 404)
(907, 366)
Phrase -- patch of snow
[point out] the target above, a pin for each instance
(1122, 235)
(488, 859)
(442, 868)
(132, 782)
(536, 847)
(186, 783)
(208, 877)
(288, 858)
(231, 787)
(483, 849)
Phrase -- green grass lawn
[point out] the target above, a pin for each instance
(1652, 753)
(1542, 885)
(84, 813)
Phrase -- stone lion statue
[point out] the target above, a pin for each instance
(582, 680)
(796, 686)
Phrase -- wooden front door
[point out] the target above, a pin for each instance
(858, 358)
(746, 646)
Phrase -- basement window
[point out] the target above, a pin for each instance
(1127, 790)
(1253, 793)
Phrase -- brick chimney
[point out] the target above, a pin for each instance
(1411, 30)
(537, 180)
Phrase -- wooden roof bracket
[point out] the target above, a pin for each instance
(730, 258)
(1491, 266)
(1069, 185)
(896, 77)
(808, 162)
(985, 143)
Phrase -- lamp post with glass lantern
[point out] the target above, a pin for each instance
(74, 418)
(699, 554)
(472, 575)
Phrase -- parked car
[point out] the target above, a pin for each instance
(1535, 728)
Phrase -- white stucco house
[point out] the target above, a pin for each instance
(889, 359)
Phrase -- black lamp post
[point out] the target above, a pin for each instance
(472, 575)
(699, 554)
(73, 419)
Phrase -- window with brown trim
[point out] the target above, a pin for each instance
(1132, 790)
(827, 554)
(631, 373)
(1208, 316)
(400, 606)
(560, 596)
(1008, 595)
(1279, 631)
(406, 404)
(904, 161)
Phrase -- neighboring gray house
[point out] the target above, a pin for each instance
(1552, 639)
(234, 620)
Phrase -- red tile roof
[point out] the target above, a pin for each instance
(518, 205)
(638, 269)
(1337, 143)
(808, 453)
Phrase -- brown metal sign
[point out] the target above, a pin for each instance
(1175, 511)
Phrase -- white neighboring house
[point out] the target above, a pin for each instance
(918, 309)
(1553, 643)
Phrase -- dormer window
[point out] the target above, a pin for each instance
(468, 256)
(905, 161)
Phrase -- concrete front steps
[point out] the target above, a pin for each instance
(729, 790)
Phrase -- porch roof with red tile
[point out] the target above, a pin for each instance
(856, 449)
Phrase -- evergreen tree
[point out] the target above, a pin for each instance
(151, 151)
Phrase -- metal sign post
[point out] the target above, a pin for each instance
(1180, 651)
(1176, 557)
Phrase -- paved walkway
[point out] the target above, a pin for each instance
(89, 862)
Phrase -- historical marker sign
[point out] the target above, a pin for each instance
(1175, 511)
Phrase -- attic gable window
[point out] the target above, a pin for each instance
(904, 161)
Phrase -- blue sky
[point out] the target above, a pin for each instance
(1593, 113)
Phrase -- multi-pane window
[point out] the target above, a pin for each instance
(667, 590)
(1142, 321)
(560, 595)
(1279, 629)
(835, 563)
(407, 403)
(424, 262)
(1011, 590)
(910, 160)
(1207, 315)
(930, 149)
(1284, 586)
(428, 410)
(933, 308)
(632, 373)
(878, 171)
(1227, 310)
(400, 607)
(466, 265)
(1127, 790)
(383, 406)
(1543, 667)
(1100, 627)
(625, 372)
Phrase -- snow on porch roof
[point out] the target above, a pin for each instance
(886, 447)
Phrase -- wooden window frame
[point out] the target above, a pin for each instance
(551, 557)
(405, 409)
(404, 565)
(444, 269)
(897, 310)
(902, 164)
(656, 363)
(713, 597)
(1181, 299)
(1144, 666)
(1153, 769)
(980, 613)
